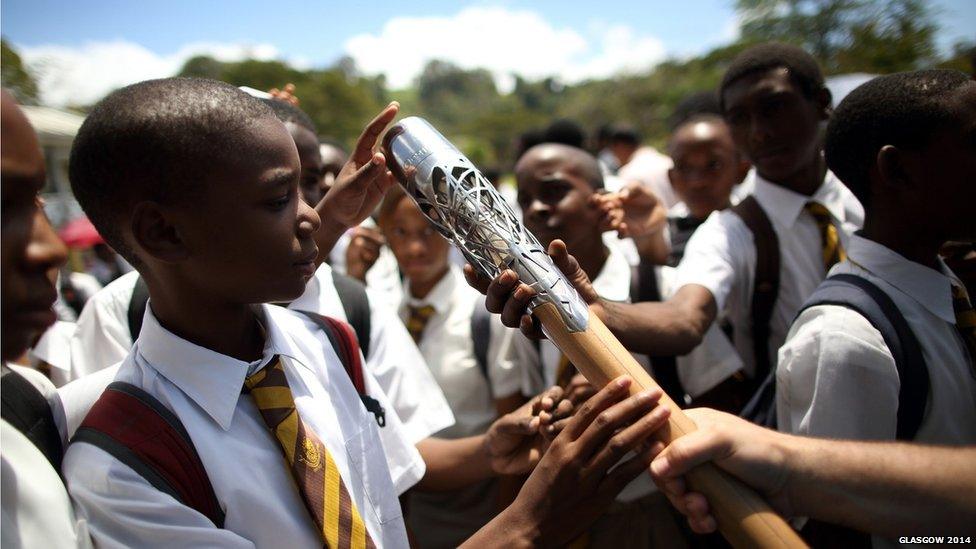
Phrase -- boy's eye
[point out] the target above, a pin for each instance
(280, 202)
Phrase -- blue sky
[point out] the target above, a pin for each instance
(83, 47)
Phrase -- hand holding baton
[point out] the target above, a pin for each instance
(466, 209)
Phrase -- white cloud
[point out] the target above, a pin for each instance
(503, 41)
(83, 75)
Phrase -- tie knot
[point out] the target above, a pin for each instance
(424, 312)
(272, 375)
(817, 210)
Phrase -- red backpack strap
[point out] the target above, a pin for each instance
(135, 428)
(342, 336)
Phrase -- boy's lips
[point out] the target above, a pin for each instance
(306, 266)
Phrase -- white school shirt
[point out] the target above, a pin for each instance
(836, 377)
(537, 365)
(383, 277)
(36, 510)
(244, 461)
(102, 339)
(721, 256)
(448, 348)
(394, 359)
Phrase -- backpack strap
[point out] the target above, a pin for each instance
(355, 302)
(481, 338)
(137, 307)
(343, 340)
(765, 288)
(644, 287)
(860, 295)
(138, 430)
(26, 409)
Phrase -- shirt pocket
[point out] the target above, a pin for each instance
(368, 460)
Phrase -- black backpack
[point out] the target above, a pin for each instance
(872, 303)
(352, 295)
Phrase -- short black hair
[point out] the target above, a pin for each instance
(155, 140)
(703, 102)
(803, 68)
(286, 112)
(567, 132)
(625, 133)
(905, 110)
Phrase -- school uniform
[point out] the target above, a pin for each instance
(394, 360)
(36, 510)
(721, 256)
(442, 322)
(102, 339)
(244, 462)
(639, 504)
(837, 378)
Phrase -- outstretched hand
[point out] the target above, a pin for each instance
(507, 296)
(517, 440)
(634, 211)
(751, 453)
(573, 483)
(360, 185)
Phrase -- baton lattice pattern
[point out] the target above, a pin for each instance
(467, 209)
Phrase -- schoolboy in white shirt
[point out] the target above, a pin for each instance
(263, 399)
(437, 310)
(774, 100)
(904, 144)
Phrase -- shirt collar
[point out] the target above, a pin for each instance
(440, 295)
(784, 205)
(930, 288)
(212, 380)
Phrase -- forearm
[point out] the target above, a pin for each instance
(655, 328)
(884, 488)
(453, 464)
(653, 248)
(510, 528)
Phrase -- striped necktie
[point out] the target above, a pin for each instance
(965, 320)
(419, 317)
(833, 252)
(311, 464)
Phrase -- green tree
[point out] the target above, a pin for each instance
(15, 76)
(847, 35)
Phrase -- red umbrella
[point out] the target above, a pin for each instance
(80, 233)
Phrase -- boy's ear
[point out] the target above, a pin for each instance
(155, 234)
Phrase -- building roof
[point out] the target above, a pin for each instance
(54, 126)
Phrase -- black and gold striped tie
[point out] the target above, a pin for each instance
(419, 317)
(311, 464)
(965, 320)
(833, 251)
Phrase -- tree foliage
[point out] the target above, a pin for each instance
(15, 76)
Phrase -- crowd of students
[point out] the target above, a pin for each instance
(785, 262)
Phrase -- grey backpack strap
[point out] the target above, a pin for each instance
(872, 303)
(481, 338)
(355, 303)
(765, 288)
(137, 307)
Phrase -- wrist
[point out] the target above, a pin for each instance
(520, 530)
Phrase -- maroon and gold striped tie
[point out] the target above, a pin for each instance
(311, 464)
(833, 251)
(419, 317)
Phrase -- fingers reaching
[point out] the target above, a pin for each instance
(367, 140)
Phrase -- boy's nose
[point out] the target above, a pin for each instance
(44, 250)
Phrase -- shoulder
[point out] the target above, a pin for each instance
(834, 330)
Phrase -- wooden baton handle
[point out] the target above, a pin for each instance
(744, 518)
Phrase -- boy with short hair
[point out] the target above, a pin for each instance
(153, 165)
(904, 144)
(36, 508)
(760, 260)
